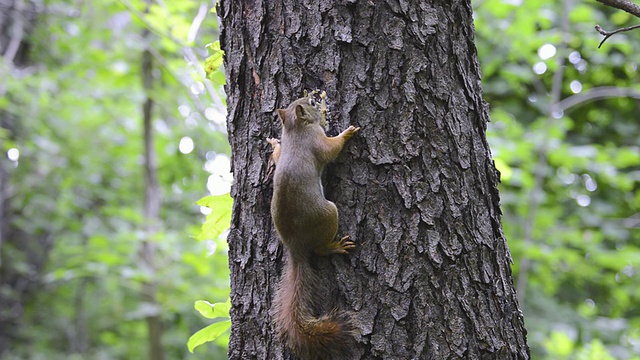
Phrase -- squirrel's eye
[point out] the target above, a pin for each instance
(312, 102)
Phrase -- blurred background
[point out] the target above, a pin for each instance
(85, 263)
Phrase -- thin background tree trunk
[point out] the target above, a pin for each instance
(152, 203)
(20, 268)
(416, 188)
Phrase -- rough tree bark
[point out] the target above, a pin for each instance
(416, 188)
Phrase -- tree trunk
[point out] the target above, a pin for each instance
(152, 204)
(416, 187)
(22, 254)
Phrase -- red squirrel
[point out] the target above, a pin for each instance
(307, 224)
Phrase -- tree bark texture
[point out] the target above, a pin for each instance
(416, 187)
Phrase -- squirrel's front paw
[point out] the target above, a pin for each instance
(350, 131)
(274, 142)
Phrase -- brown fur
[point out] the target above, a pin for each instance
(326, 336)
(307, 224)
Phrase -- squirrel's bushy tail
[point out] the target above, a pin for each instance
(328, 336)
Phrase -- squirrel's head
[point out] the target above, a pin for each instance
(302, 112)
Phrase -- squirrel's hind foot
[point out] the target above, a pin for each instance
(341, 246)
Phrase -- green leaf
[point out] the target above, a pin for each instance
(220, 217)
(213, 202)
(213, 63)
(213, 311)
(208, 334)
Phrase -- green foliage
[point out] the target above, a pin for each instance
(215, 330)
(218, 219)
(79, 183)
(213, 64)
(216, 223)
(559, 345)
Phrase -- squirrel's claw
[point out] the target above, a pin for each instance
(343, 245)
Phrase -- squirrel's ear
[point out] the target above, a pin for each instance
(300, 112)
(282, 113)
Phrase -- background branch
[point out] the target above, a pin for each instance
(597, 94)
(17, 33)
(608, 34)
(628, 6)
